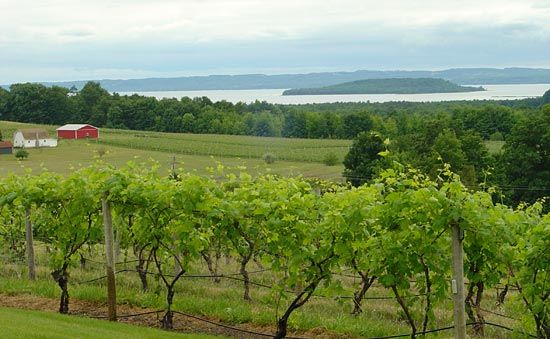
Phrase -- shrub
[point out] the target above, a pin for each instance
(101, 152)
(497, 136)
(22, 154)
(331, 159)
(269, 158)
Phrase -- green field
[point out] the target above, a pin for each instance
(15, 324)
(246, 147)
(191, 151)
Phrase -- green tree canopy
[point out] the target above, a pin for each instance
(546, 98)
(526, 158)
(4, 97)
(364, 161)
(36, 103)
(449, 148)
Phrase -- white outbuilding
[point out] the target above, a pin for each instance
(33, 137)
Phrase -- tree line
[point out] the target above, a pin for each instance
(36, 103)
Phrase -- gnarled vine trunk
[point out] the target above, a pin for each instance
(428, 293)
(168, 319)
(406, 310)
(212, 265)
(246, 279)
(543, 330)
(142, 267)
(473, 307)
(299, 301)
(366, 283)
(82, 261)
(502, 295)
(62, 278)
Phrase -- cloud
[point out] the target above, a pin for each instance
(136, 37)
(243, 20)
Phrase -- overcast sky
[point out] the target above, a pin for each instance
(46, 40)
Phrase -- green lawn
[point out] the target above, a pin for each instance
(17, 323)
(122, 146)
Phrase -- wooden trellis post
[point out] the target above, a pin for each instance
(457, 283)
(109, 258)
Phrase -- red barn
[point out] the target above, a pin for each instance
(6, 147)
(77, 131)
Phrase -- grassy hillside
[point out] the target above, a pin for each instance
(192, 152)
(15, 324)
(387, 86)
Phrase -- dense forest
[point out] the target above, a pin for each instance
(387, 86)
(423, 135)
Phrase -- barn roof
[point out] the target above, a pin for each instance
(74, 127)
(6, 144)
(34, 133)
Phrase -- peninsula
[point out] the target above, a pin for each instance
(387, 86)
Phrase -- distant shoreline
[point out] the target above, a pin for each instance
(460, 76)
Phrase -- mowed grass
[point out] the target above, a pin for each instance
(35, 324)
(142, 146)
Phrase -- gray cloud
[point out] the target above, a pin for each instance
(61, 39)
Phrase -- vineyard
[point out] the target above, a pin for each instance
(309, 150)
(286, 253)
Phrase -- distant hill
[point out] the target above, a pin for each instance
(387, 86)
(462, 76)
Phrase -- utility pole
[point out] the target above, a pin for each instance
(30, 246)
(109, 258)
(457, 283)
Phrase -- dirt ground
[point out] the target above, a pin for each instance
(182, 323)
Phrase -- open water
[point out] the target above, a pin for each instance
(493, 92)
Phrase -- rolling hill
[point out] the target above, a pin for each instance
(462, 76)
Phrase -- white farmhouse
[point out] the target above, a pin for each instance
(33, 137)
